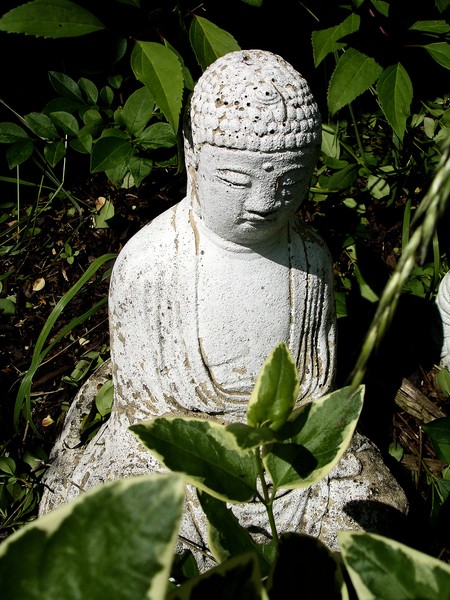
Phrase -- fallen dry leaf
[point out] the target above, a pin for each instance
(38, 284)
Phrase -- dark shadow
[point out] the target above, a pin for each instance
(382, 519)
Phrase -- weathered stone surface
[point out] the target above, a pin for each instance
(443, 304)
(200, 296)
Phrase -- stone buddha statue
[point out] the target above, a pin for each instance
(201, 295)
(443, 304)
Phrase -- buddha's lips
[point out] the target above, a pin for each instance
(253, 215)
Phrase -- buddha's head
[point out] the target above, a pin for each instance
(251, 144)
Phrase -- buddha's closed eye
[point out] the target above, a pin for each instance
(234, 178)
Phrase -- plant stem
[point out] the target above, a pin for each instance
(358, 137)
(267, 499)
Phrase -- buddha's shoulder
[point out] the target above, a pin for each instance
(155, 243)
(313, 242)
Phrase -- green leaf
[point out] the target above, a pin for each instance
(188, 80)
(62, 104)
(381, 6)
(330, 144)
(106, 212)
(54, 152)
(254, 2)
(205, 452)
(90, 90)
(226, 537)
(275, 391)
(158, 135)
(238, 578)
(354, 74)
(7, 465)
(436, 26)
(341, 180)
(327, 40)
(439, 433)
(383, 568)
(443, 379)
(440, 52)
(50, 19)
(19, 153)
(210, 42)
(442, 5)
(10, 133)
(315, 440)
(138, 110)
(66, 86)
(78, 550)
(41, 125)
(105, 397)
(109, 152)
(140, 167)
(395, 93)
(160, 70)
(66, 122)
(251, 437)
(378, 187)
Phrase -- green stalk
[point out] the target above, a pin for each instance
(430, 210)
(267, 499)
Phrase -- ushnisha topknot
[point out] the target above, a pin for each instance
(253, 100)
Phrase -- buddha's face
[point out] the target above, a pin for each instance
(247, 197)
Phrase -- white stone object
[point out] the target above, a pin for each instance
(200, 296)
(443, 304)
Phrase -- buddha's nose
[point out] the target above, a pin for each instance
(261, 198)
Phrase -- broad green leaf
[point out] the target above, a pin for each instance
(341, 180)
(19, 153)
(248, 437)
(10, 133)
(440, 52)
(439, 27)
(354, 74)
(226, 537)
(315, 440)
(158, 135)
(54, 152)
(138, 110)
(238, 578)
(395, 93)
(109, 152)
(66, 86)
(140, 167)
(105, 395)
(442, 5)
(160, 70)
(90, 90)
(205, 452)
(188, 80)
(210, 42)
(66, 122)
(41, 125)
(299, 556)
(107, 95)
(50, 19)
(378, 187)
(7, 465)
(62, 104)
(327, 40)
(275, 391)
(383, 568)
(254, 2)
(443, 379)
(116, 541)
(381, 6)
(439, 433)
(330, 144)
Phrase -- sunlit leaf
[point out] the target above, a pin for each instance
(209, 42)
(50, 19)
(78, 550)
(354, 74)
(440, 52)
(395, 93)
(160, 70)
(205, 452)
(383, 568)
(325, 41)
(436, 26)
(276, 389)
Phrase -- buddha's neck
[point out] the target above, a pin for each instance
(263, 248)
